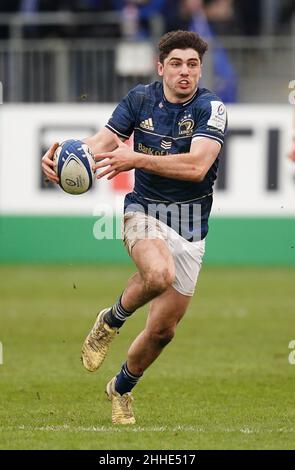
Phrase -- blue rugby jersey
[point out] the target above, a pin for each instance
(162, 128)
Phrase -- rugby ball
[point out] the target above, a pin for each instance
(74, 166)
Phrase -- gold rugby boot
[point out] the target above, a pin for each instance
(97, 343)
(121, 405)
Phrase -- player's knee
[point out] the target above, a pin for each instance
(158, 280)
(162, 336)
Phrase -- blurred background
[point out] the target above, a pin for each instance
(64, 65)
(103, 47)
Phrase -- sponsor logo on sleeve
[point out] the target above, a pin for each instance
(218, 116)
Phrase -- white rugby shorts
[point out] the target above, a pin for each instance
(187, 255)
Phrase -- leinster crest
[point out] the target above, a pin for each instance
(186, 125)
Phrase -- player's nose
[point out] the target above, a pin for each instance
(184, 70)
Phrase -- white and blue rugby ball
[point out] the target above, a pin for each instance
(73, 165)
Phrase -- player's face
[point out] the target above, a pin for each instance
(181, 72)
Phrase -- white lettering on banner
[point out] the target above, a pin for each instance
(1, 353)
(255, 175)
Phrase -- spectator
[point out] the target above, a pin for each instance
(39, 6)
(103, 29)
(107, 29)
(142, 13)
(178, 14)
(7, 6)
(248, 17)
(192, 16)
(220, 16)
(287, 14)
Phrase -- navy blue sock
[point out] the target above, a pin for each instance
(125, 381)
(117, 315)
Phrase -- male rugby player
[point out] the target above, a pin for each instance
(178, 133)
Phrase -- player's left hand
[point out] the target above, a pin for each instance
(121, 159)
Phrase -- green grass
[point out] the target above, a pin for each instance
(223, 383)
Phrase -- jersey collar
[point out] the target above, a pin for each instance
(179, 105)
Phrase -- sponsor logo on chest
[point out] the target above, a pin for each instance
(147, 124)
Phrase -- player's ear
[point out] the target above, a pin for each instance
(160, 69)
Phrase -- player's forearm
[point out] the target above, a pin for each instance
(180, 166)
(98, 145)
(101, 142)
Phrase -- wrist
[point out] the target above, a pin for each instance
(138, 160)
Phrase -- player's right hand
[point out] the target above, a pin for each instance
(48, 166)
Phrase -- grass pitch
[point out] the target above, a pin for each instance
(223, 383)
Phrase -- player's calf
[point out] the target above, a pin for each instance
(161, 336)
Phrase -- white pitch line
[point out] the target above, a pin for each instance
(68, 428)
(152, 429)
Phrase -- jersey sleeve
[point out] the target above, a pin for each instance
(122, 121)
(211, 121)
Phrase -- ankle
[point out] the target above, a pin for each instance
(116, 316)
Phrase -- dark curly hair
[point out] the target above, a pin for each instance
(181, 40)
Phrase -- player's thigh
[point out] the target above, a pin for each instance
(152, 256)
(145, 240)
(167, 310)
